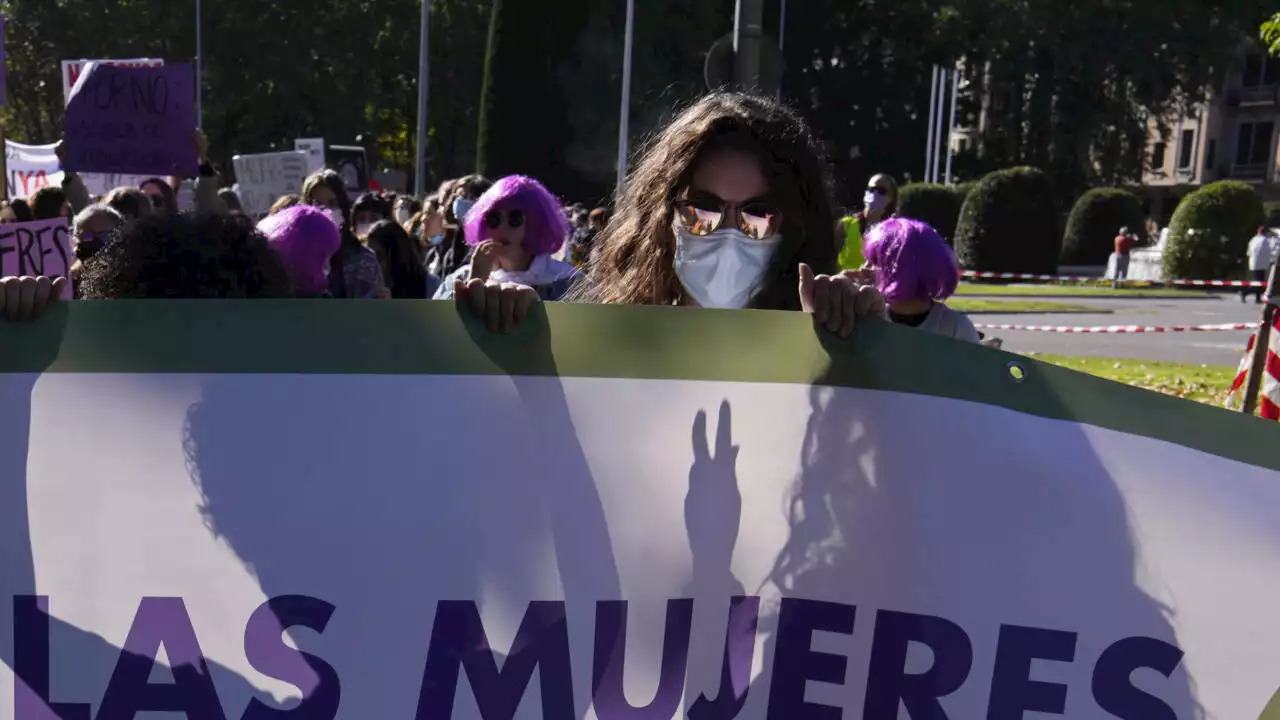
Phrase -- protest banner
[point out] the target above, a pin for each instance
(31, 167)
(39, 247)
(703, 513)
(261, 179)
(314, 148)
(71, 70)
(132, 120)
(352, 164)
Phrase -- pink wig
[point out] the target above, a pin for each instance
(304, 237)
(912, 261)
(545, 223)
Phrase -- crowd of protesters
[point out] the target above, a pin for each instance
(729, 207)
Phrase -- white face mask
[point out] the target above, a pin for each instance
(723, 269)
(402, 215)
(335, 214)
(875, 201)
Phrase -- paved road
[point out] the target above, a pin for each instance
(1204, 348)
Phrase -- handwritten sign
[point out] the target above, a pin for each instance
(263, 178)
(72, 69)
(132, 120)
(314, 148)
(42, 247)
(31, 167)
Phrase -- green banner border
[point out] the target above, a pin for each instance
(434, 338)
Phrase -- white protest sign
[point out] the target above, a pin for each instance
(264, 178)
(40, 247)
(716, 514)
(32, 167)
(71, 70)
(314, 148)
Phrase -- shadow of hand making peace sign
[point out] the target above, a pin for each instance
(713, 505)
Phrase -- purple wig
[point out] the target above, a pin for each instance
(546, 226)
(912, 261)
(304, 237)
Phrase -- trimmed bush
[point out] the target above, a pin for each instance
(1210, 231)
(1009, 223)
(938, 205)
(1094, 223)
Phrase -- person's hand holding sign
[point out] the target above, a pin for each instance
(502, 306)
(26, 298)
(838, 302)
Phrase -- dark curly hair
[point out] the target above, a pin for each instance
(402, 260)
(634, 260)
(186, 257)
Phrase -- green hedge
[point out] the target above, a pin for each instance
(938, 205)
(1210, 232)
(1009, 223)
(1273, 214)
(1094, 223)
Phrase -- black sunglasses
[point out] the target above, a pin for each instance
(493, 219)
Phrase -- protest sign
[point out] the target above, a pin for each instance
(263, 178)
(314, 148)
(31, 167)
(132, 120)
(40, 247)
(706, 513)
(72, 69)
(351, 163)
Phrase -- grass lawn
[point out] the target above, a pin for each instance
(968, 288)
(1201, 383)
(985, 305)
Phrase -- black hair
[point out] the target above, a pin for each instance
(402, 258)
(231, 200)
(374, 203)
(166, 192)
(21, 210)
(47, 202)
(130, 202)
(189, 257)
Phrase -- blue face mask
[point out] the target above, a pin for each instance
(461, 207)
(436, 239)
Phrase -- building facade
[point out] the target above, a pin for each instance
(1230, 136)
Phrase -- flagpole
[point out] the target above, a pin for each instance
(951, 126)
(625, 113)
(1261, 345)
(937, 143)
(424, 75)
(933, 98)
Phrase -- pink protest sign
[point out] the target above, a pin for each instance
(41, 247)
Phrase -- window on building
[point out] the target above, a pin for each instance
(1186, 148)
(1259, 70)
(1157, 156)
(1210, 154)
(1253, 143)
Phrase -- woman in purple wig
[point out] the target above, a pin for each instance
(915, 270)
(513, 230)
(304, 237)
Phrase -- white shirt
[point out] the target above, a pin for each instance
(1262, 251)
(942, 320)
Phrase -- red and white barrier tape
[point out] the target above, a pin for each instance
(975, 275)
(1113, 329)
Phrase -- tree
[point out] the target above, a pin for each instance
(1210, 232)
(1270, 34)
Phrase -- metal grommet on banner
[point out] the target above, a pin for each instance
(1016, 371)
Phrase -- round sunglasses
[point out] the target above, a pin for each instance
(756, 220)
(493, 219)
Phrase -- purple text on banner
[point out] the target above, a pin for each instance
(41, 247)
(136, 121)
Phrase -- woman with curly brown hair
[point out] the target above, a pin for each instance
(729, 207)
